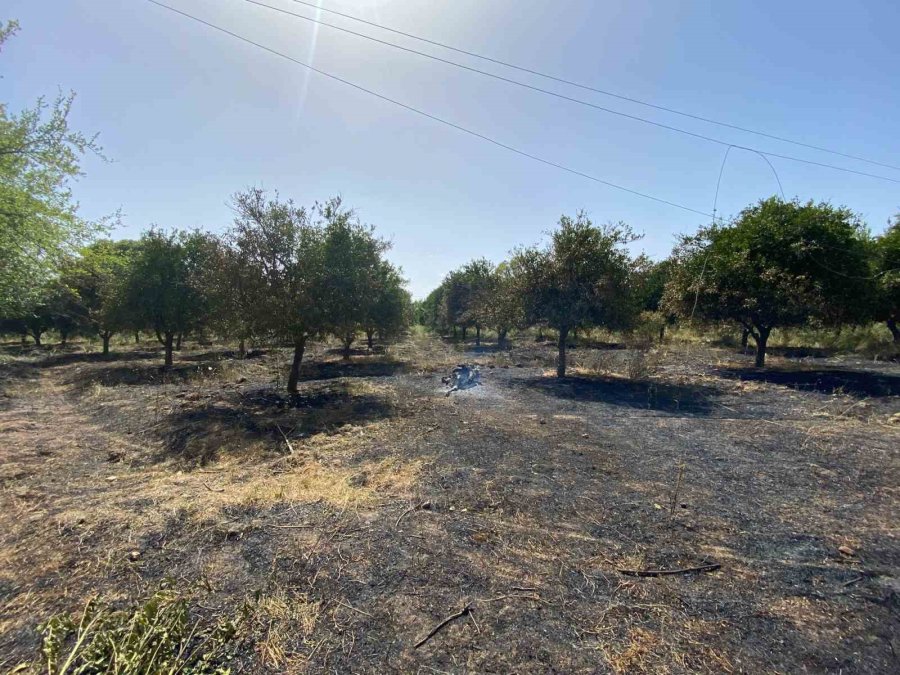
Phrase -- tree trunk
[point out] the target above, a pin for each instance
(761, 338)
(36, 334)
(454, 332)
(745, 334)
(24, 339)
(662, 333)
(242, 348)
(178, 339)
(105, 337)
(501, 337)
(63, 338)
(370, 334)
(167, 343)
(895, 330)
(348, 340)
(477, 335)
(561, 362)
(540, 335)
(137, 337)
(464, 330)
(299, 347)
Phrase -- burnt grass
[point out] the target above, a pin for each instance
(354, 517)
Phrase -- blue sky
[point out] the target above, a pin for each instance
(190, 116)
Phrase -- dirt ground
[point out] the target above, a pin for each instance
(359, 515)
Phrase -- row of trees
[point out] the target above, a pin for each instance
(778, 264)
(282, 274)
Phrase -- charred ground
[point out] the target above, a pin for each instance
(354, 517)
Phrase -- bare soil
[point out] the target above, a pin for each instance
(358, 515)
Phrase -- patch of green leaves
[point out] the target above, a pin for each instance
(157, 636)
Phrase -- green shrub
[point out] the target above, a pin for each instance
(158, 636)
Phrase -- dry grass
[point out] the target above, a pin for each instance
(536, 495)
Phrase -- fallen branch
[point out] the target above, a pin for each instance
(284, 436)
(410, 510)
(212, 489)
(303, 526)
(664, 573)
(453, 617)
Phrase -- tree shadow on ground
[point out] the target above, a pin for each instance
(223, 355)
(130, 374)
(649, 395)
(355, 351)
(857, 383)
(236, 420)
(56, 360)
(799, 352)
(329, 370)
(490, 348)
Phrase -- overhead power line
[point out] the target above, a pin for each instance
(596, 90)
(572, 99)
(430, 116)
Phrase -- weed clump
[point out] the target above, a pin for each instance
(157, 636)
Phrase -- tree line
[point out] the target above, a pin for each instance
(282, 274)
(286, 273)
(778, 264)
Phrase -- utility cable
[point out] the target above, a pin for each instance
(430, 116)
(596, 90)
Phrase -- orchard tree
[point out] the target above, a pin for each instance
(581, 279)
(40, 156)
(237, 294)
(282, 252)
(465, 297)
(429, 311)
(779, 264)
(388, 309)
(165, 288)
(503, 309)
(887, 274)
(97, 277)
(478, 278)
(352, 268)
(650, 283)
(455, 302)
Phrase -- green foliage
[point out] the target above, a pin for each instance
(887, 274)
(779, 264)
(582, 279)
(39, 224)
(429, 311)
(477, 294)
(158, 636)
(97, 278)
(352, 272)
(501, 306)
(388, 307)
(279, 254)
(167, 288)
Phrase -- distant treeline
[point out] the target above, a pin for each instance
(282, 274)
(778, 264)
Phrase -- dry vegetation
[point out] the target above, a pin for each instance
(333, 530)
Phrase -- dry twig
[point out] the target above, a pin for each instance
(284, 436)
(664, 573)
(453, 617)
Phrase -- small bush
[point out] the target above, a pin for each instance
(640, 364)
(157, 636)
(596, 361)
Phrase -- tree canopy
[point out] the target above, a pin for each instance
(887, 274)
(40, 156)
(582, 278)
(779, 264)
